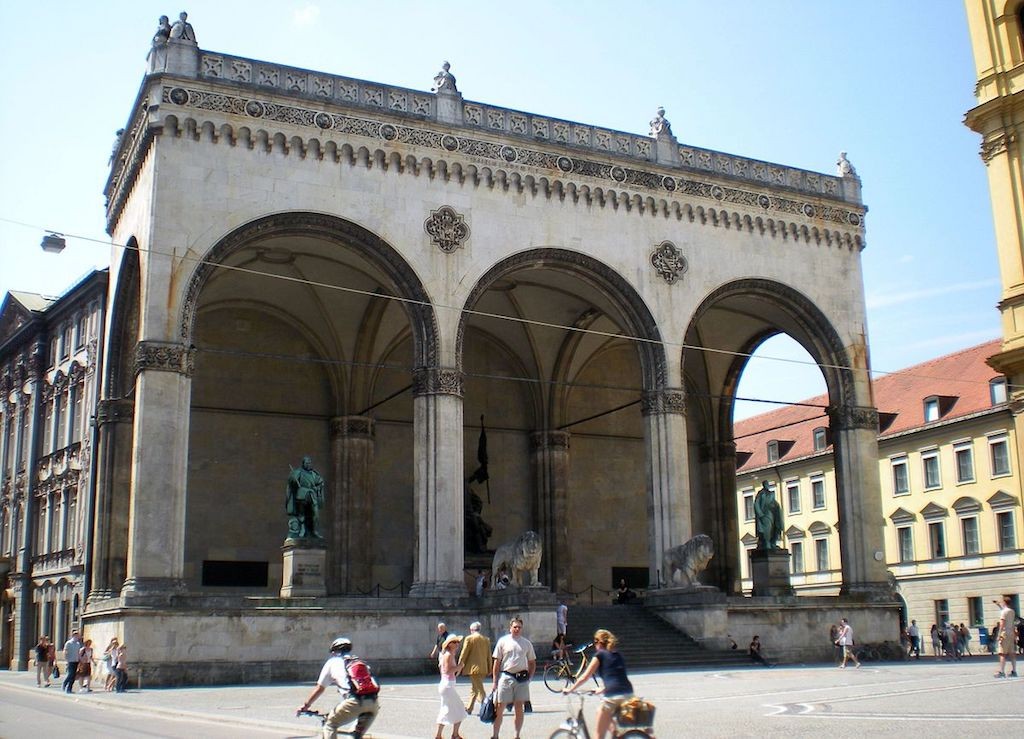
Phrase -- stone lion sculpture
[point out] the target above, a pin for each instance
(683, 563)
(519, 559)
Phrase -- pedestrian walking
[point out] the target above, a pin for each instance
(452, 712)
(475, 661)
(1007, 639)
(915, 639)
(85, 667)
(514, 664)
(562, 618)
(42, 651)
(72, 648)
(442, 634)
(121, 669)
(109, 674)
(845, 641)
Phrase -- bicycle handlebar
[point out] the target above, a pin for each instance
(309, 712)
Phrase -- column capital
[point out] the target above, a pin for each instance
(851, 417)
(664, 400)
(348, 426)
(164, 356)
(438, 381)
(549, 440)
(118, 410)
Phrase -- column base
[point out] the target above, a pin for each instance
(304, 566)
(770, 571)
(876, 592)
(151, 590)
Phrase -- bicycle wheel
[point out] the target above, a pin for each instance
(556, 677)
(563, 734)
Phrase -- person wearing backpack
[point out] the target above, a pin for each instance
(356, 685)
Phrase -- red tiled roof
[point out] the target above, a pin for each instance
(962, 377)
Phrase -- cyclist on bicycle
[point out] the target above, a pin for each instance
(617, 688)
(358, 701)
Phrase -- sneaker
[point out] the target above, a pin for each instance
(999, 674)
(858, 665)
(1013, 673)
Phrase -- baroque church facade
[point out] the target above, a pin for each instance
(309, 264)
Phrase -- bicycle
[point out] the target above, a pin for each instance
(634, 722)
(359, 730)
(561, 673)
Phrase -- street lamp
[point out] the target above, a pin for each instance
(53, 243)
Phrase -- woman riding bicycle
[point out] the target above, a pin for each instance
(611, 667)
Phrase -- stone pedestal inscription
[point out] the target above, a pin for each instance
(303, 571)
(770, 570)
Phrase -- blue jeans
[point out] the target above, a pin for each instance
(69, 678)
(122, 680)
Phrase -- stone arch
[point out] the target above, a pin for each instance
(124, 323)
(415, 301)
(639, 320)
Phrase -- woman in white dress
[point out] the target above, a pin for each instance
(452, 712)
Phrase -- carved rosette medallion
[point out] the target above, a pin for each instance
(669, 262)
(437, 381)
(446, 228)
(848, 418)
(164, 357)
(663, 401)
(549, 440)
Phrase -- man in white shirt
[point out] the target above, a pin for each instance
(1007, 639)
(915, 639)
(72, 648)
(352, 706)
(562, 618)
(514, 665)
(845, 641)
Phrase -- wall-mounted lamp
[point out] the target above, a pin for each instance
(53, 243)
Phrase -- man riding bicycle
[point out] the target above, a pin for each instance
(358, 693)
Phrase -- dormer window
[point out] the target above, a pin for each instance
(820, 438)
(773, 451)
(997, 390)
(931, 409)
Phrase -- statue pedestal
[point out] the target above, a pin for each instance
(303, 571)
(770, 571)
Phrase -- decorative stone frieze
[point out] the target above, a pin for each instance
(437, 381)
(663, 401)
(446, 228)
(352, 426)
(164, 357)
(549, 440)
(114, 411)
(996, 144)
(848, 418)
(669, 262)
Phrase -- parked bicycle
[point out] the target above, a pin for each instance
(562, 673)
(359, 730)
(634, 719)
(886, 651)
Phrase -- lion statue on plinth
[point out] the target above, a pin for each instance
(519, 560)
(683, 563)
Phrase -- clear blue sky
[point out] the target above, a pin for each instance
(788, 81)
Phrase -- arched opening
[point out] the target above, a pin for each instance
(565, 428)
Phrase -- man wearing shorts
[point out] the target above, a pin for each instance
(514, 665)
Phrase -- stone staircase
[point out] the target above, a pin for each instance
(646, 640)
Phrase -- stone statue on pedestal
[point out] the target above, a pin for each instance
(444, 81)
(303, 501)
(519, 559)
(182, 29)
(476, 530)
(843, 166)
(767, 518)
(682, 564)
(660, 124)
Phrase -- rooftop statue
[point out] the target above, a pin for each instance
(303, 501)
(767, 518)
(843, 166)
(444, 81)
(163, 31)
(660, 124)
(182, 29)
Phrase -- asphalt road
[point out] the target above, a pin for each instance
(911, 699)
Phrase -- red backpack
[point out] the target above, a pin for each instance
(360, 679)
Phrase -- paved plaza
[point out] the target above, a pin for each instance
(917, 698)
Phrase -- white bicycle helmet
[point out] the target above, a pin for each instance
(341, 644)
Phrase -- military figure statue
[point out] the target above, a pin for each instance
(303, 501)
(767, 518)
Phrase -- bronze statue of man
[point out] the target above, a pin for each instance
(303, 501)
(767, 518)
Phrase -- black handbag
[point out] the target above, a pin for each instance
(487, 710)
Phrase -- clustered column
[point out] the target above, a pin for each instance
(113, 449)
(352, 452)
(668, 474)
(438, 483)
(549, 458)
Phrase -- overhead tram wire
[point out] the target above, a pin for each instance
(482, 314)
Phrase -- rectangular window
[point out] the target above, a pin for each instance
(975, 611)
(900, 478)
(796, 551)
(905, 540)
(969, 529)
(1007, 536)
(773, 451)
(999, 455)
(941, 611)
(997, 390)
(930, 462)
(818, 492)
(61, 420)
(820, 439)
(931, 410)
(964, 456)
(821, 554)
(793, 495)
(81, 331)
(748, 506)
(937, 539)
(65, 343)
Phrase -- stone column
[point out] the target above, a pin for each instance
(549, 458)
(668, 475)
(156, 528)
(719, 463)
(350, 557)
(437, 482)
(861, 546)
(110, 544)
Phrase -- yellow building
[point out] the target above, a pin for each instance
(949, 471)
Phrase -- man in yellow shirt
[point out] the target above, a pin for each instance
(475, 661)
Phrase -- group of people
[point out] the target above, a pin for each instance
(80, 660)
(948, 640)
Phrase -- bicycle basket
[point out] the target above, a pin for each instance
(636, 712)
